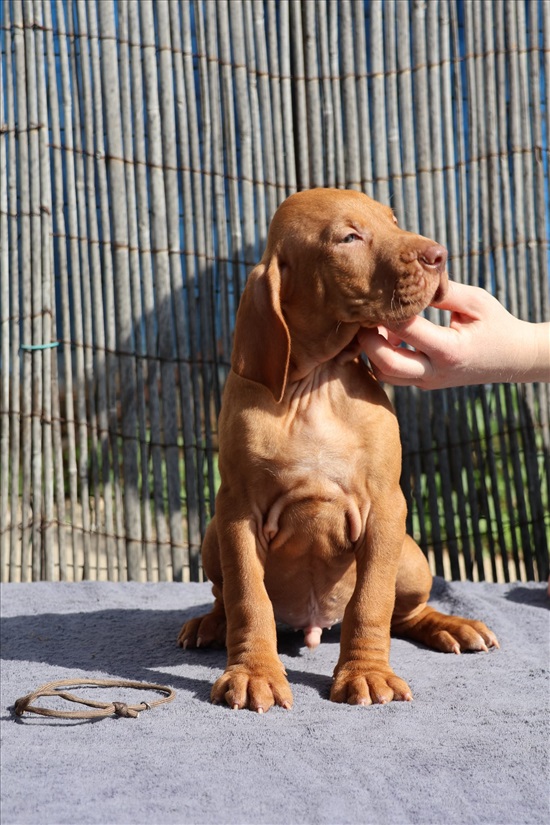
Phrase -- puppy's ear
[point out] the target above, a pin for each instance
(261, 347)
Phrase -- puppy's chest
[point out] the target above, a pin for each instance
(315, 455)
(317, 443)
(313, 448)
(312, 474)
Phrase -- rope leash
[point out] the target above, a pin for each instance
(103, 709)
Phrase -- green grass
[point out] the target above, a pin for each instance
(504, 492)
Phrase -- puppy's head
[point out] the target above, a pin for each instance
(335, 260)
(348, 250)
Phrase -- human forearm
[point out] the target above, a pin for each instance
(535, 359)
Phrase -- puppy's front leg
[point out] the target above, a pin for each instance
(363, 674)
(254, 677)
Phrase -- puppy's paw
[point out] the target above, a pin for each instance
(457, 635)
(357, 684)
(204, 631)
(450, 634)
(257, 689)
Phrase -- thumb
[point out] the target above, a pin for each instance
(462, 298)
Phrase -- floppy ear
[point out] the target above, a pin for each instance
(261, 346)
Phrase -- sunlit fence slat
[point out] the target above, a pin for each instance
(144, 147)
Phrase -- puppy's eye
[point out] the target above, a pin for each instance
(351, 238)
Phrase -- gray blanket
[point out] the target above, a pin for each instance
(471, 748)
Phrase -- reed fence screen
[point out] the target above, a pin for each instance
(144, 147)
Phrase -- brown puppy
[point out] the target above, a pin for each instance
(310, 519)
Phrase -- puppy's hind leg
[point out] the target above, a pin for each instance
(208, 630)
(414, 619)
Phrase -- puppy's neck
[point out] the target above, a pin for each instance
(312, 347)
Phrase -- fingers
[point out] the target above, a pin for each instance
(443, 356)
(394, 364)
(431, 339)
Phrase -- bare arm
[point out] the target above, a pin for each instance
(483, 344)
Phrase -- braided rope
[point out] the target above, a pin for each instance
(103, 709)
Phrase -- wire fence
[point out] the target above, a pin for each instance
(144, 147)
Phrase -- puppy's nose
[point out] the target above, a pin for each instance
(434, 256)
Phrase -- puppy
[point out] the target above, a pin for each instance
(310, 518)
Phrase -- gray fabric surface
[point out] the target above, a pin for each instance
(471, 748)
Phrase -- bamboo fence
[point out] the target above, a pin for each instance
(144, 147)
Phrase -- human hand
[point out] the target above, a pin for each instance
(484, 343)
